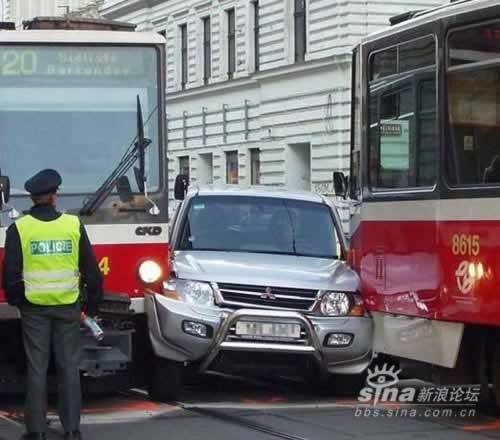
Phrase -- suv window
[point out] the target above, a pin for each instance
(260, 225)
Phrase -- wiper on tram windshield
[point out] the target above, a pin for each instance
(135, 151)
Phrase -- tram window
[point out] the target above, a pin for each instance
(474, 44)
(390, 142)
(389, 106)
(427, 134)
(474, 126)
(384, 63)
(428, 96)
(403, 136)
(417, 54)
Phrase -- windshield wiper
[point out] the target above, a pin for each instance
(134, 152)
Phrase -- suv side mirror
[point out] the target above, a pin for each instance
(4, 190)
(181, 186)
(340, 184)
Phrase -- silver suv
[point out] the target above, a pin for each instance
(259, 282)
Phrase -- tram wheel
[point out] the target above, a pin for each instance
(165, 383)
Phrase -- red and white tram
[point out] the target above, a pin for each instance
(425, 187)
(86, 97)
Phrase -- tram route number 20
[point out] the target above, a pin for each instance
(18, 63)
(465, 244)
(104, 266)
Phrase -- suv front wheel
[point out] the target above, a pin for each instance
(339, 385)
(165, 383)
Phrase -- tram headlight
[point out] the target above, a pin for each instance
(335, 304)
(150, 272)
(476, 270)
(192, 292)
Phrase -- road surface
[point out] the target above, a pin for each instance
(229, 408)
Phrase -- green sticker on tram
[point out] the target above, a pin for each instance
(395, 145)
(51, 247)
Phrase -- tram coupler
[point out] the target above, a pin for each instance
(113, 352)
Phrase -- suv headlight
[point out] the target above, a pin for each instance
(191, 292)
(336, 304)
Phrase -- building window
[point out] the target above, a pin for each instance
(232, 167)
(300, 30)
(231, 43)
(256, 35)
(184, 166)
(207, 49)
(205, 168)
(254, 166)
(184, 55)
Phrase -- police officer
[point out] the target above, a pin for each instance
(48, 258)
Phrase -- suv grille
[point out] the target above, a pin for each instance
(259, 296)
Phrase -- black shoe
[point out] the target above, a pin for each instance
(34, 436)
(73, 435)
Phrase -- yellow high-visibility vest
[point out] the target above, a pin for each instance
(50, 259)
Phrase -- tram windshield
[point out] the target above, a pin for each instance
(73, 108)
(474, 105)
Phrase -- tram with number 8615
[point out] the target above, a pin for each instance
(424, 189)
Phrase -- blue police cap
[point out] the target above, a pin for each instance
(43, 182)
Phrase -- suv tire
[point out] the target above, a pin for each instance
(347, 385)
(165, 383)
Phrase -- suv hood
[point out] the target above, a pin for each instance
(265, 269)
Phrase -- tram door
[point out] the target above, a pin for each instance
(400, 151)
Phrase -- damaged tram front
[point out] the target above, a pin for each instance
(86, 97)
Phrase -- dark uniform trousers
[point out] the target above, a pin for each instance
(56, 327)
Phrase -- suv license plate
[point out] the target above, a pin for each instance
(267, 329)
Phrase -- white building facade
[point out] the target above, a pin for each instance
(259, 91)
(18, 11)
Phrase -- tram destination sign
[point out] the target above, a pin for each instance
(96, 62)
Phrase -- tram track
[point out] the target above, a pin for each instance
(240, 422)
(233, 419)
(245, 418)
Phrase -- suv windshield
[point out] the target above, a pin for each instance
(260, 225)
(73, 108)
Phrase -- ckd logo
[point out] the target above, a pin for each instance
(148, 230)
(380, 387)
